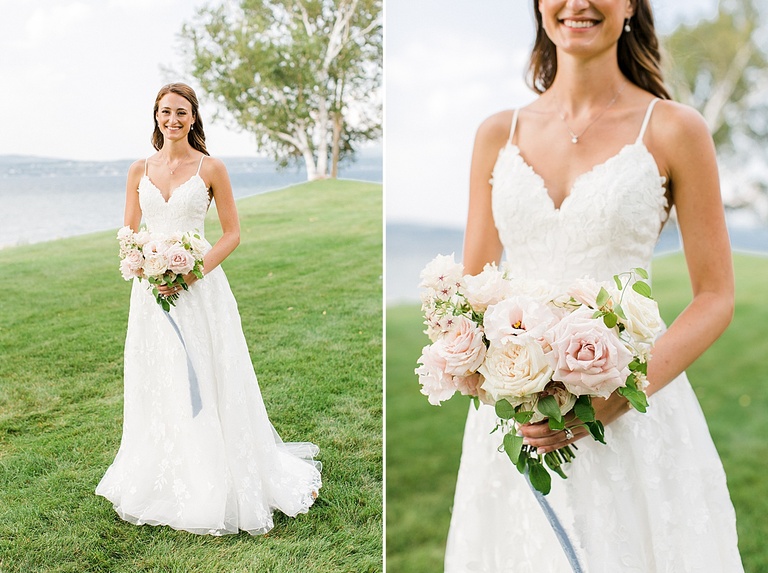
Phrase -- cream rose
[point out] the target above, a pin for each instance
(515, 370)
(462, 346)
(155, 264)
(587, 356)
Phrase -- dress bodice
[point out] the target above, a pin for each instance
(184, 211)
(608, 223)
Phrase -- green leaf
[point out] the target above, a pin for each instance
(641, 272)
(549, 408)
(556, 424)
(617, 280)
(504, 410)
(620, 312)
(597, 430)
(637, 398)
(610, 319)
(512, 445)
(602, 297)
(539, 476)
(637, 366)
(476, 402)
(522, 461)
(642, 289)
(583, 409)
(523, 416)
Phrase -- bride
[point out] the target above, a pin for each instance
(207, 460)
(580, 183)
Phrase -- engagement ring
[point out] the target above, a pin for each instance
(568, 434)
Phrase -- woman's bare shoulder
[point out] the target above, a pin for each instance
(678, 124)
(494, 130)
(137, 168)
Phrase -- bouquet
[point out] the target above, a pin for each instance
(161, 259)
(536, 351)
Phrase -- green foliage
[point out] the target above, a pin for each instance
(718, 66)
(307, 278)
(289, 72)
(424, 442)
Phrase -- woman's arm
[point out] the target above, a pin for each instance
(683, 148)
(481, 239)
(687, 149)
(132, 213)
(218, 181)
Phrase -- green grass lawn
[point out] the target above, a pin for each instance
(307, 277)
(424, 441)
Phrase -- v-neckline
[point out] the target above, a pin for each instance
(172, 192)
(543, 184)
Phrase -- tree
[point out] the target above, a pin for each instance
(718, 66)
(302, 75)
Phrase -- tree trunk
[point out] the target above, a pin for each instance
(321, 137)
(337, 128)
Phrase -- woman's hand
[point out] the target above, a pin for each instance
(545, 440)
(165, 290)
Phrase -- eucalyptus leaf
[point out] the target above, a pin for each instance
(620, 312)
(504, 410)
(617, 280)
(610, 319)
(512, 445)
(641, 272)
(522, 461)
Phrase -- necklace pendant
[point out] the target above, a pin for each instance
(574, 139)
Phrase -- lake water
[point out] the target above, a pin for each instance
(43, 199)
(411, 247)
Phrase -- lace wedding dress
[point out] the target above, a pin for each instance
(654, 499)
(224, 469)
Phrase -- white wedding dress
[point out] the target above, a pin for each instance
(224, 469)
(654, 499)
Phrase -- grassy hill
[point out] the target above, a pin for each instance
(307, 277)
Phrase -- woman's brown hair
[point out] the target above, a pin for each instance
(196, 136)
(638, 54)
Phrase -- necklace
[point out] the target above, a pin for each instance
(575, 137)
(179, 162)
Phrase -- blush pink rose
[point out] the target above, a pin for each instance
(587, 357)
(436, 384)
(462, 347)
(180, 261)
(132, 264)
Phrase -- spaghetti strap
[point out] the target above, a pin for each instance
(647, 118)
(201, 164)
(145, 166)
(514, 125)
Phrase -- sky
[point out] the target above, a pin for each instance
(80, 78)
(448, 65)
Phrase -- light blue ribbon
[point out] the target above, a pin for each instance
(557, 527)
(194, 386)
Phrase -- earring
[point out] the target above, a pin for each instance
(191, 127)
(627, 27)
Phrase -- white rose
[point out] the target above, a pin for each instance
(462, 347)
(199, 247)
(515, 316)
(487, 288)
(155, 265)
(515, 370)
(585, 291)
(643, 322)
(142, 238)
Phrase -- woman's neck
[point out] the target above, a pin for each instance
(173, 150)
(581, 85)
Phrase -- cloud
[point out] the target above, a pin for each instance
(55, 21)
